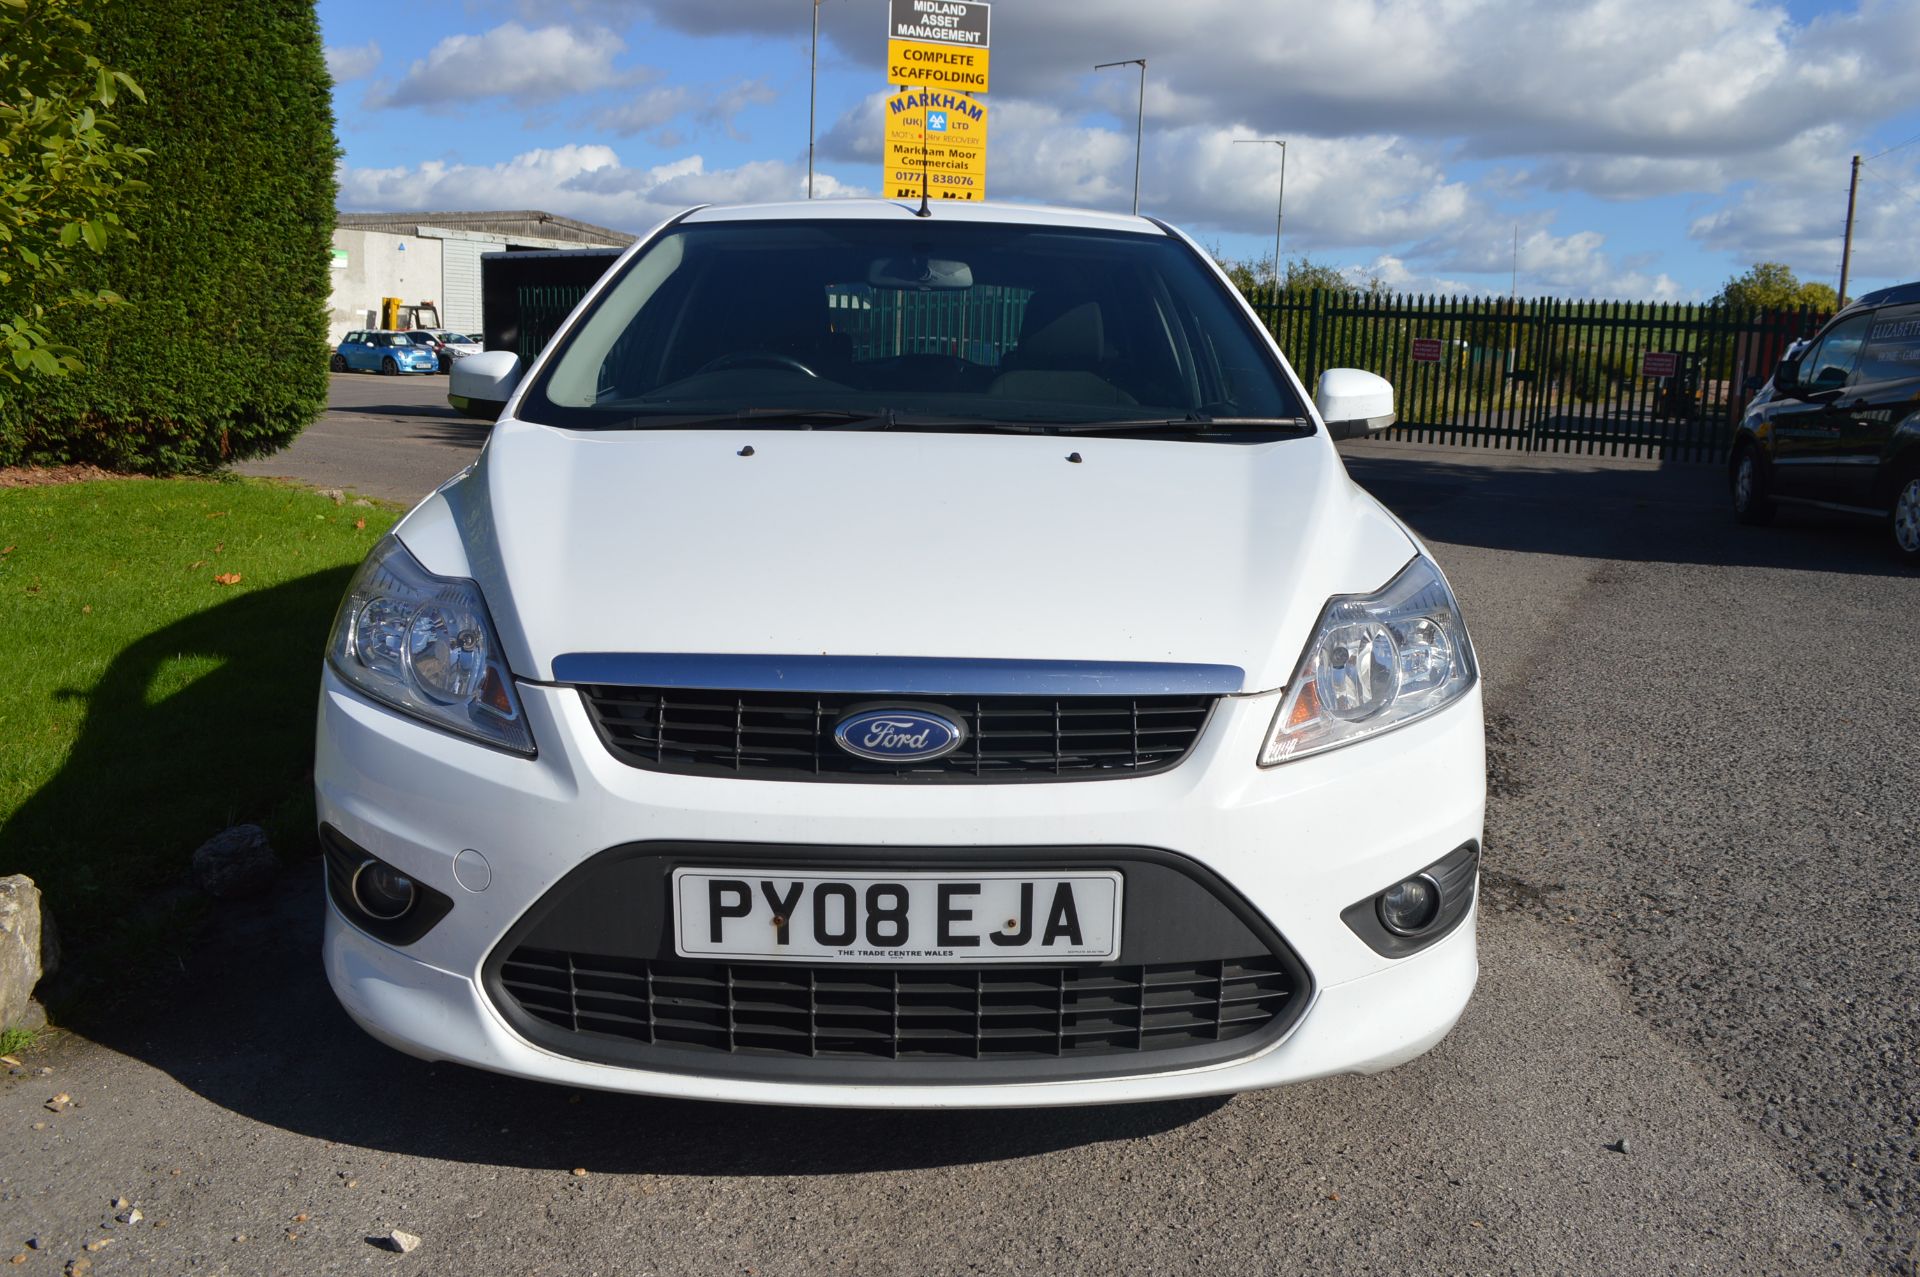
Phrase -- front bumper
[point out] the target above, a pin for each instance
(1298, 843)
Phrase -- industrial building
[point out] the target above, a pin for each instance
(435, 257)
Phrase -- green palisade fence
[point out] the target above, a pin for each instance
(1546, 374)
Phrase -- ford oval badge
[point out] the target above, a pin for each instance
(898, 735)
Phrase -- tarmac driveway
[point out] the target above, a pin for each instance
(1693, 1047)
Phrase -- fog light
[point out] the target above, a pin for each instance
(382, 891)
(1410, 906)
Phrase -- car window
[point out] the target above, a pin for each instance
(1892, 348)
(1831, 361)
(1029, 324)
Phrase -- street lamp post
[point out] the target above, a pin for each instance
(1280, 213)
(813, 91)
(1140, 122)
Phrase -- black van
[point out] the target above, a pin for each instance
(1839, 425)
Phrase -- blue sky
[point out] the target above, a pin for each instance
(1638, 148)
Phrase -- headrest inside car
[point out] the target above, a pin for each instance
(1075, 338)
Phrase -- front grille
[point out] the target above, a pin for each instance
(789, 735)
(1018, 1013)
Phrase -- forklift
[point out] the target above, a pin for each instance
(398, 316)
(1679, 396)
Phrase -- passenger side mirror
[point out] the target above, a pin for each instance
(480, 385)
(1353, 402)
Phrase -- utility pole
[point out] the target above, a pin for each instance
(813, 91)
(1280, 212)
(1140, 123)
(1846, 245)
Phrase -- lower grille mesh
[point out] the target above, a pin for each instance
(899, 1013)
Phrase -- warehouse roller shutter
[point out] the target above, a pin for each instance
(460, 283)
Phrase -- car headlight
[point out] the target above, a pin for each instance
(1375, 662)
(423, 644)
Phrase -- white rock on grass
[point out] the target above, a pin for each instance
(20, 954)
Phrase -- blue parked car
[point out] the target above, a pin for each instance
(384, 352)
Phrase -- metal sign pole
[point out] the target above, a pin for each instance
(1140, 121)
(1280, 211)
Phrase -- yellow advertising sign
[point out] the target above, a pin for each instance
(937, 66)
(944, 135)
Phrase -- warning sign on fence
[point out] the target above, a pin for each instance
(1659, 363)
(1426, 350)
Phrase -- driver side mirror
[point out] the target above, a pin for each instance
(1786, 378)
(480, 385)
(1353, 403)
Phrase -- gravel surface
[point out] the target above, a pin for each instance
(1702, 829)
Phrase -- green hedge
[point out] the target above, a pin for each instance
(222, 355)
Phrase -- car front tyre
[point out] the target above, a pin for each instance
(1904, 521)
(1752, 498)
(388, 368)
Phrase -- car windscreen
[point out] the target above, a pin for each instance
(954, 321)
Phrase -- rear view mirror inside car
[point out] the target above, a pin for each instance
(920, 274)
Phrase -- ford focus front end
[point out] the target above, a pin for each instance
(897, 661)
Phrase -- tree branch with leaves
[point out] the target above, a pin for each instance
(65, 183)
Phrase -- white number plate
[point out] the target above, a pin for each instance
(879, 917)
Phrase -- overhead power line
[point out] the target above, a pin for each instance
(1887, 181)
(1890, 150)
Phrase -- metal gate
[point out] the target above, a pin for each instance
(1639, 379)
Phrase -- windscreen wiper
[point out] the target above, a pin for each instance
(833, 418)
(1194, 422)
(804, 418)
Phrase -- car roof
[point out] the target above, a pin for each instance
(942, 210)
(1895, 296)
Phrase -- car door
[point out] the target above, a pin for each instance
(359, 353)
(1886, 380)
(1807, 437)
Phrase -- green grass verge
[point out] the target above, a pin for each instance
(147, 705)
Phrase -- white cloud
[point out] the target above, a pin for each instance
(1631, 98)
(652, 111)
(1342, 194)
(1802, 223)
(584, 181)
(1733, 102)
(352, 62)
(513, 62)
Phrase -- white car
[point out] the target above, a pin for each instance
(447, 345)
(903, 659)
